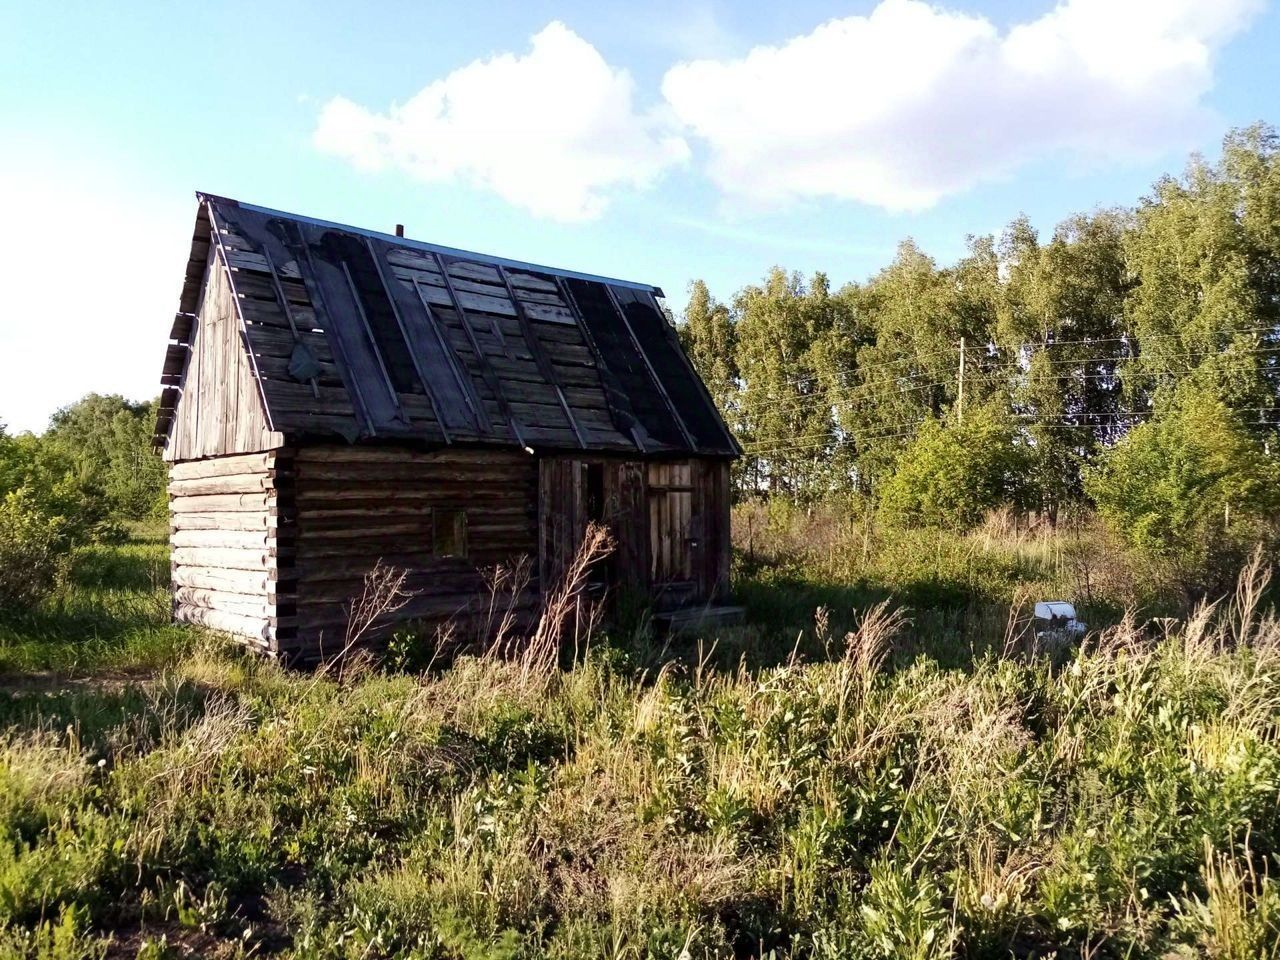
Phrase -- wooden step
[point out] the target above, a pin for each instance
(689, 620)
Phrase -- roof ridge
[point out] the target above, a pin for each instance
(447, 251)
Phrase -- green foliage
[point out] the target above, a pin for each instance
(107, 442)
(92, 472)
(870, 804)
(33, 550)
(781, 327)
(1188, 481)
(114, 613)
(951, 475)
(1205, 252)
(49, 482)
(61, 939)
(709, 337)
(1078, 336)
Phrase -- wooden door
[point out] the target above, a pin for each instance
(574, 492)
(675, 537)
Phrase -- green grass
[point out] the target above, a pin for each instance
(885, 792)
(113, 614)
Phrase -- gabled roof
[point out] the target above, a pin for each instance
(365, 335)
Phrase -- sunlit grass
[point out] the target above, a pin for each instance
(113, 613)
(865, 791)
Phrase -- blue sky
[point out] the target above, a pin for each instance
(655, 142)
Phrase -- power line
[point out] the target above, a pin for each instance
(782, 447)
(1163, 357)
(802, 400)
(869, 366)
(1033, 346)
(1135, 338)
(989, 372)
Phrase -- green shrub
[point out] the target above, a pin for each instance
(1191, 486)
(950, 476)
(33, 551)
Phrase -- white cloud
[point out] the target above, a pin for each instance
(913, 103)
(553, 131)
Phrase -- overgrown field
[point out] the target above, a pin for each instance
(893, 789)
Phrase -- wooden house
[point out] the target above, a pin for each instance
(335, 396)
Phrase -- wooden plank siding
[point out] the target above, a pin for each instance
(669, 520)
(273, 547)
(219, 410)
(335, 397)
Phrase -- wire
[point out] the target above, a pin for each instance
(1121, 420)
(771, 445)
(801, 401)
(1031, 346)
(812, 397)
(1163, 357)
(1135, 338)
(870, 366)
(989, 372)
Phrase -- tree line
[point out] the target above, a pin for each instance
(1133, 354)
(84, 480)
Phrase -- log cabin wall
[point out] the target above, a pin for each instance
(445, 516)
(390, 393)
(230, 555)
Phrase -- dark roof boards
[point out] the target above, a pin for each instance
(364, 335)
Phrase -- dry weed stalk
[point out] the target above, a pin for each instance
(866, 648)
(1017, 627)
(868, 644)
(1255, 577)
(540, 655)
(506, 585)
(382, 595)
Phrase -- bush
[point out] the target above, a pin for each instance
(950, 476)
(34, 549)
(1190, 486)
(51, 484)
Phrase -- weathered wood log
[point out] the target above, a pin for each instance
(415, 471)
(223, 558)
(407, 525)
(413, 477)
(409, 502)
(232, 581)
(334, 615)
(221, 466)
(231, 483)
(332, 453)
(509, 540)
(258, 628)
(339, 589)
(358, 566)
(357, 562)
(239, 603)
(221, 521)
(235, 539)
(222, 503)
(337, 495)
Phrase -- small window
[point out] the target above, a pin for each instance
(595, 492)
(449, 533)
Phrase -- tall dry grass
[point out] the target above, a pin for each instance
(1117, 800)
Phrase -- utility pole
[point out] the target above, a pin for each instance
(960, 392)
